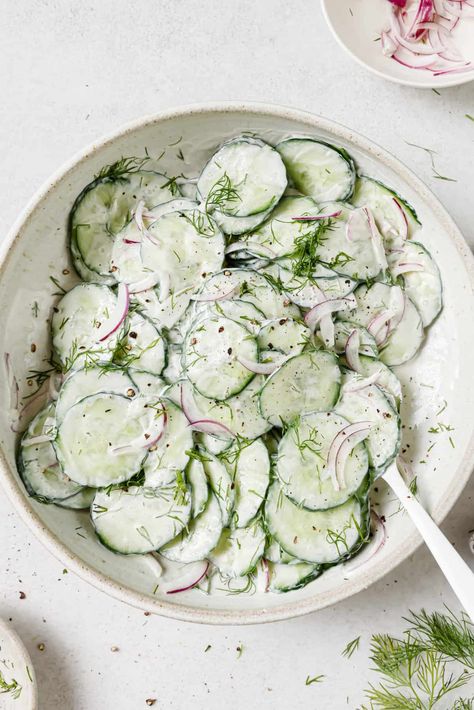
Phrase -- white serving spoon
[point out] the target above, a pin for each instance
(457, 572)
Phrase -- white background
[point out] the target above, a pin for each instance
(72, 70)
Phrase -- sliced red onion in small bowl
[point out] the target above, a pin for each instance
(118, 315)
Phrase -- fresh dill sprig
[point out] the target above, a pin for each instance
(315, 679)
(304, 256)
(222, 193)
(123, 166)
(351, 647)
(417, 670)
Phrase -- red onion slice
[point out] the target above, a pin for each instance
(210, 426)
(352, 351)
(326, 308)
(260, 368)
(195, 417)
(389, 46)
(146, 440)
(361, 383)
(379, 325)
(340, 448)
(192, 574)
(117, 317)
(405, 267)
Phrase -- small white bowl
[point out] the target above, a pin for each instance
(356, 24)
(15, 664)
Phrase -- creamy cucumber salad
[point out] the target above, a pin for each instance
(224, 393)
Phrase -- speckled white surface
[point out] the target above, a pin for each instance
(71, 71)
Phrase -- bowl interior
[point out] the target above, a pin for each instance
(438, 375)
(357, 26)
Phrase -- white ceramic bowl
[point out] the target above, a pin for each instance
(15, 664)
(36, 248)
(356, 24)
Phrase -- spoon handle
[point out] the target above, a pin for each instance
(456, 571)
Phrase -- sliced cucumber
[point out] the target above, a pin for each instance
(142, 346)
(240, 413)
(163, 313)
(170, 453)
(79, 501)
(424, 288)
(215, 444)
(302, 462)
(212, 352)
(386, 380)
(286, 335)
(201, 536)
(394, 216)
(75, 323)
(285, 578)
(239, 550)
(221, 484)
(321, 536)
(126, 262)
(240, 310)
(318, 169)
(95, 443)
(196, 478)
(305, 292)
(257, 288)
(249, 468)
(305, 383)
(245, 177)
(371, 404)
(92, 380)
(38, 465)
(342, 331)
(186, 246)
(103, 208)
(405, 340)
(279, 232)
(239, 225)
(139, 519)
(148, 383)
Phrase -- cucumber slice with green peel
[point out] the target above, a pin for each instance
(142, 347)
(249, 468)
(243, 178)
(342, 331)
(302, 462)
(214, 444)
(394, 216)
(126, 263)
(199, 538)
(92, 380)
(286, 335)
(240, 413)
(187, 246)
(163, 313)
(305, 292)
(196, 477)
(424, 287)
(280, 231)
(406, 338)
(239, 550)
(138, 520)
(318, 169)
(221, 485)
(38, 465)
(261, 289)
(322, 537)
(386, 379)
(95, 440)
(212, 352)
(371, 404)
(103, 208)
(274, 553)
(305, 383)
(285, 578)
(169, 454)
(79, 501)
(148, 383)
(240, 310)
(75, 323)
(235, 226)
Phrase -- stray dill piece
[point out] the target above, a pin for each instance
(351, 647)
(315, 679)
(172, 184)
(35, 309)
(61, 291)
(122, 167)
(468, 116)
(12, 687)
(432, 153)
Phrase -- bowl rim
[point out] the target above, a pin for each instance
(457, 80)
(290, 609)
(8, 631)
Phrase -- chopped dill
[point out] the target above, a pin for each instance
(351, 647)
(35, 309)
(315, 679)
(12, 687)
(61, 291)
(221, 194)
(468, 116)
(122, 167)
